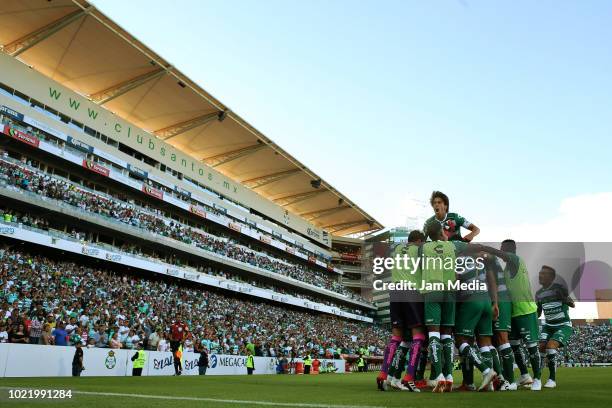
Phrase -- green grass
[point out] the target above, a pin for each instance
(577, 387)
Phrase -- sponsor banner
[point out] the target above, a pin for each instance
(21, 136)
(77, 144)
(95, 167)
(234, 226)
(137, 171)
(197, 210)
(182, 191)
(110, 158)
(173, 271)
(7, 230)
(5, 110)
(113, 257)
(153, 192)
(45, 128)
(162, 268)
(265, 239)
(290, 250)
(90, 251)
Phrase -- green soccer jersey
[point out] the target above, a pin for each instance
(438, 262)
(502, 290)
(451, 224)
(552, 301)
(519, 287)
(474, 275)
(404, 271)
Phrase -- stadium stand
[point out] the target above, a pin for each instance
(117, 309)
(27, 178)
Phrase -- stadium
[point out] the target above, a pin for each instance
(156, 249)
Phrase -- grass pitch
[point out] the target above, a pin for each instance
(577, 387)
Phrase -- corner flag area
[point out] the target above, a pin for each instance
(355, 390)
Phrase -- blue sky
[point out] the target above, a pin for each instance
(503, 105)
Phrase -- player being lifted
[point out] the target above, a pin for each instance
(553, 299)
(406, 309)
(524, 320)
(451, 222)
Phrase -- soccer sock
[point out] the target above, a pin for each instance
(496, 362)
(415, 352)
(552, 366)
(435, 354)
(470, 353)
(399, 359)
(447, 353)
(507, 359)
(467, 369)
(534, 359)
(518, 357)
(394, 341)
(487, 359)
(421, 364)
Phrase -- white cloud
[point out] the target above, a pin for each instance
(573, 222)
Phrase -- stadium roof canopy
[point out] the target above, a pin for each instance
(76, 45)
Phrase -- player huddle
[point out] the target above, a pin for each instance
(491, 328)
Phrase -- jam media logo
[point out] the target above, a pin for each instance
(213, 361)
(111, 361)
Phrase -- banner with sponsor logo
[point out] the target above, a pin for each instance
(153, 192)
(197, 210)
(77, 144)
(234, 226)
(21, 136)
(95, 167)
(23, 360)
(5, 110)
(265, 239)
(137, 171)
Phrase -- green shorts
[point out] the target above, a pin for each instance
(474, 316)
(439, 309)
(503, 322)
(525, 327)
(559, 333)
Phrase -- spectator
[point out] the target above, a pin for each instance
(60, 337)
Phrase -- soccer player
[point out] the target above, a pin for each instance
(524, 320)
(438, 271)
(502, 351)
(475, 312)
(451, 222)
(553, 299)
(406, 310)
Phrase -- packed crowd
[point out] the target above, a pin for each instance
(46, 301)
(589, 344)
(153, 220)
(12, 216)
(41, 135)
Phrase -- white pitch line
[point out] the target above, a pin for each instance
(226, 401)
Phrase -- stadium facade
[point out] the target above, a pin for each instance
(87, 106)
